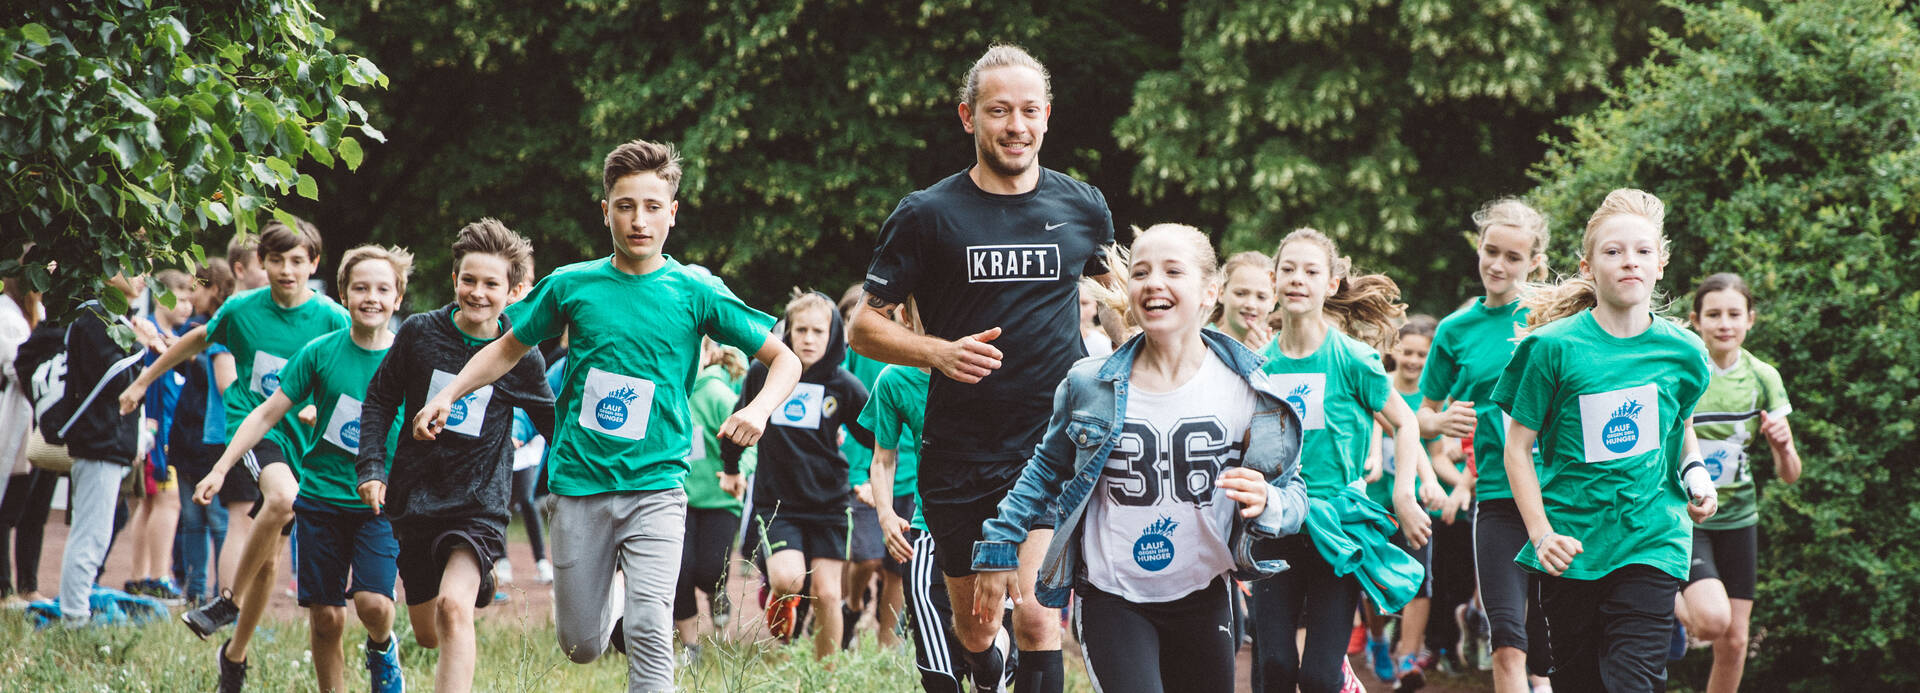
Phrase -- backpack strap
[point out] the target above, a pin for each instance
(113, 371)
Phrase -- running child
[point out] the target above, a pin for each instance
(1745, 399)
(867, 548)
(1337, 385)
(1157, 459)
(1471, 348)
(802, 497)
(262, 328)
(1613, 388)
(446, 495)
(1246, 299)
(617, 466)
(713, 513)
(347, 550)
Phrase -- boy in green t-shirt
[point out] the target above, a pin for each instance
(262, 329)
(346, 548)
(617, 465)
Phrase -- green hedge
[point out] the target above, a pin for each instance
(1783, 137)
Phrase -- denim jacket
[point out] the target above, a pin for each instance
(1089, 409)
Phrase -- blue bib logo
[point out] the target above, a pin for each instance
(1154, 549)
(458, 414)
(350, 434)
(1622, 432)
(611, 412)
(794, 411)
(270, 383)
(1298, 399)
(1716, 463)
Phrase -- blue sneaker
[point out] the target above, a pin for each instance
(1380, 653)
(383, 667)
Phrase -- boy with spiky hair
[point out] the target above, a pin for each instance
(448, 497)
(617, 465)
(262, 328)
(347, 551)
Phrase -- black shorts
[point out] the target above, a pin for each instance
(1424, 555)
(868, 542)
(425, 545)
(956, 526)
(902, 507)
(1727, 555)
(1509, 593)
(816, 536)
(246, 478)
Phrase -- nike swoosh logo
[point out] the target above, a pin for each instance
(1051, 227)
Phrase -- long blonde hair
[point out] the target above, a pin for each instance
(1366, 307)
(1546, 303)
(1120, 259)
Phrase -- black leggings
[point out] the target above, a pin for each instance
(1610, 635)
(1308, 595)
(1453, 580)
(523, 482)
(23, 522)
(703, 558)
(1186, 644)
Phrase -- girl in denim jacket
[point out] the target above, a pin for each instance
(1166, 461)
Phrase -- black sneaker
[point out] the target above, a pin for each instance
(233, 675)
(617, 640)
(209, 618)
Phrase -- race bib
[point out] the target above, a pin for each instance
(1306, 392)
(803, 408)
(616, 405)
(343, 425)
(468, 413)
(699, 445)
(266, 373)
(1726, 461)
(1621, 423)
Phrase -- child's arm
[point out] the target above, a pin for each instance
(748, 422)
(1410, 459)
(1555, 551)
(1694, 479)
(493, 361)
(892, 525)
(1786, 457)
(190, 344)
(262, 419)
(996, 556)
(385, 392)
(224, 372)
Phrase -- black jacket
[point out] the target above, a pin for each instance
(101, 433)
(457, 475)
(801, 469)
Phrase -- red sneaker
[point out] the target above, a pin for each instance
(781, 619)
(1357, 643)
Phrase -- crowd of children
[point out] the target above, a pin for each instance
(1545, 483)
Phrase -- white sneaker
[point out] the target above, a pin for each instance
(503, 571)
(543, 571)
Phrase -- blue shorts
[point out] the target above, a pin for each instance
(342, 551)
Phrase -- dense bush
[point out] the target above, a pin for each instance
(1783, 138)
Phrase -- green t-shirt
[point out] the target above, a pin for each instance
(859, 457)
(621, 421)
(714, 393)
(1335, 390)
(262, 336)
(1611, 414)
(896, 413)
(1470, 350)
(1726, 421)
(332, 373)
(1381, 490)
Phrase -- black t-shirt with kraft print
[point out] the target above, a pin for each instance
(975, 260)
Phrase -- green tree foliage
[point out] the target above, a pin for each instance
(128, 127)
(1782, 137)
(802, 122)
(1384, 124)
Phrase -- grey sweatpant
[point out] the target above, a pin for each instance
(638, 533)
(96, 487)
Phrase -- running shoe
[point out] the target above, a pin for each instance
(503, 571)
(848, 617)
(1357, 643)
(782, 619)
(1411, 676)
(689, 656)
(720, 608)
(383, 667)
(212, 616)
(1350, 683)
(1380, 657)
(164, 590)
(233, 675)
(543, 571)
(617, 638)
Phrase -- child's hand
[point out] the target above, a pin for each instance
(733, 484)
(1246, 487)
(1431, 498)
(1704, 507)
(130, 397)
(432, 417)
(309, 416)
(1457, 420)
(374, 494)
(1374, 469)
(864, 492)
(895, 529)
(204, 491)
(1414, 522)
(1778, 433)
(1461, 500)
(1556, 551)
(743, 429)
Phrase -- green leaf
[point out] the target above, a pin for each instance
(114, 301)
(166, 298)
(350, 152)
(36, 34)
(308, 187)
(217, 211)
(281, 167)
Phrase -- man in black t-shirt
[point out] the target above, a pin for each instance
(993, 256)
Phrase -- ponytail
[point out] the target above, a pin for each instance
(1365, 307)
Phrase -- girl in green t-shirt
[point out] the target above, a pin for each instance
(1608, 389)
(713, 512)
(1470, 348)
(1745, 398)
(1336, 384)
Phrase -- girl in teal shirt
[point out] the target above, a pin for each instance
(1608, 389)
